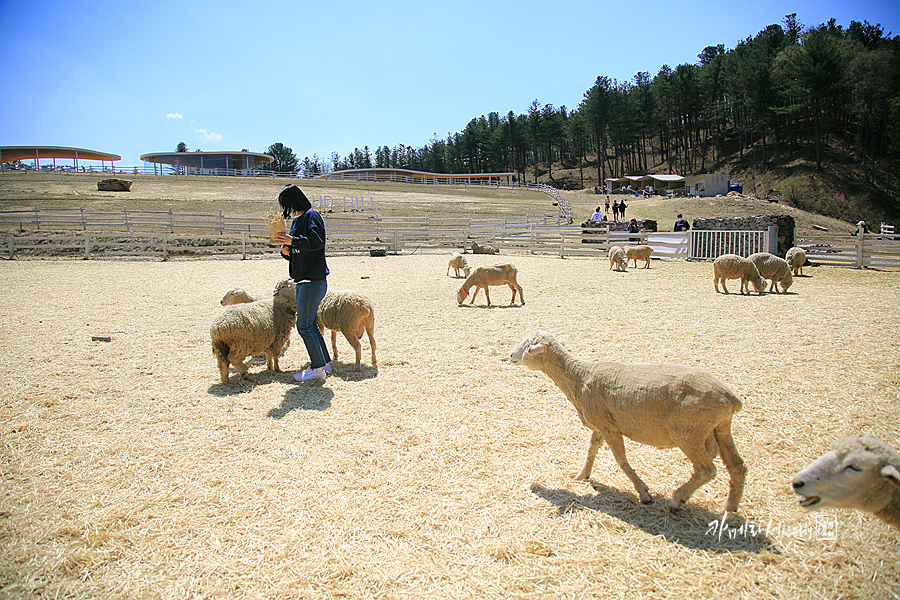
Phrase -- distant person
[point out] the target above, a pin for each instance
(622, 207)
(606, 206)
(616, 209)
(597, 216)
(681, 224)
(633, 228)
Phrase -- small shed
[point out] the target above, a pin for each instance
(710, 184)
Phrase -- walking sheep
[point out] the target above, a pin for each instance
(351, 313)
(617, 258)
(247, 329)
(861, 473)
(777, 270)
(659, 405)
(483, 277)
(641, 251)
(732, 266)
(796, 257)
(457, 262)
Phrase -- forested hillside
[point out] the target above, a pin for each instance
(805, 115)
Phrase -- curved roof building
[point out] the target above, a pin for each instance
(213, 162)
(37, 153)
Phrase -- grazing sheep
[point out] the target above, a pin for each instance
(457, 262)
(236, 296)
(773, 268)
(732, 266)
(483, 277)
(862, 473)
(796, 257)
(351, 313)
(486, 249)
(617, 258)
(247, 329)
(641, 251)
(661, 405)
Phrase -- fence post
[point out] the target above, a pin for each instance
(87, 245)
(83, 221)
(772, 241)
(165, 246)
(859, 246)
(37, 217)
(395, 241)
(127, 226)
(562, 244)
(11, 246)
(171, 221)
(243, 245)
(221, 221)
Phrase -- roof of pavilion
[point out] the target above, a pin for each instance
(11, 153)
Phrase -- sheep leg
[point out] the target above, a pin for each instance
(510, 286)
(351, 337)
(737, 470)
(617, 445)
(223, 368)
(596, 442)
(239, 364)
(704, 471)
(646, 266)
(724, 289)
(475, 293)
(372, 344)
(487, 294)
(334, 343)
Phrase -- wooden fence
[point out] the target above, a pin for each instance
(861, 250)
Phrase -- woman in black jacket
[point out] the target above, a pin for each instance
(304, 248)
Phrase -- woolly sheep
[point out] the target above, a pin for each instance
(617, 258)
(773, 268)
(351, 313)
(732, 266)
(861, 473)
(486, 249)
(236, 296)
(247, 329)
(457, 262)
(796, 257)
(483, 277)
(641, 251)
(661, 405)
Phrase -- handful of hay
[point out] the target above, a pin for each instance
(276, 226)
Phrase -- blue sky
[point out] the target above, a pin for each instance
(131, 78)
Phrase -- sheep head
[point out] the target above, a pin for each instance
(530, 352)
(286, 292)
(858, 472)
(235, 296)
(461, 295)
(760, 284)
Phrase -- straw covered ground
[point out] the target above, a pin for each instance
(130, 471)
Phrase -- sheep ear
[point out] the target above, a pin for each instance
(892, 474)
(536, 349)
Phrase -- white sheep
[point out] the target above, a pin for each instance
(244, 330)
(796, 257)
(775, 269)
(861, 473)
(237, 296)
(351, 313)
(732, 266)
(661, 405)
(485, 249)
(457, 262)
(483, 277)
(617, 258)
(641, 251)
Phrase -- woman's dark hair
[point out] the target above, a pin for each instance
(293, 200)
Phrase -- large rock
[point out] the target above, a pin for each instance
(114, 185)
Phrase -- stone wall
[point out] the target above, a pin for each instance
(785, 224)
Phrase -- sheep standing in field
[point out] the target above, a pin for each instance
(796, 257)
(862, 473)
(732, 266)
(351, 313)
(641, 251)
(457, 262)
(483, 277)
(775, 269)
(659, 405)
(244, 330)
(236, 296)
(617, 258)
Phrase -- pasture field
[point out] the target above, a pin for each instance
(129, 471)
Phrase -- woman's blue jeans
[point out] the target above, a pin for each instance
(309, 295)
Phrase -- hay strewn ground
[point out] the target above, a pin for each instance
(129, 471)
